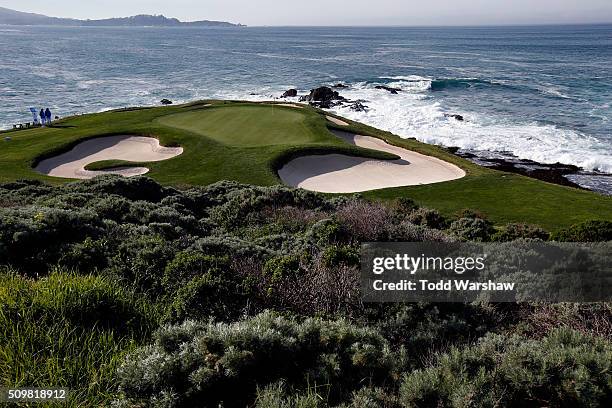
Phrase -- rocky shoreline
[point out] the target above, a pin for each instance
(327, 97)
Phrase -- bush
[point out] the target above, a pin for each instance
(282, 267)
(206, 296)
(340, 255)
(140, 260)
(589, 231)
(512, 232)
(565, 369)
(472, 229)
(365, 221)
(35, 237)
(132, 188)
(326, 232)
(208, 364)
(427, 218)
(470, 213)
(187, 265)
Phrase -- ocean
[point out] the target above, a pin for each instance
(540, 93)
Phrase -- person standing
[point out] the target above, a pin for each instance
(48, 116)
(42, 116)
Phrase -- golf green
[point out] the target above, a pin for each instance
(248, 142)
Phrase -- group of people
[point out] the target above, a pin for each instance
(45, 116)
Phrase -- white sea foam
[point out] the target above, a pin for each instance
(412, 113)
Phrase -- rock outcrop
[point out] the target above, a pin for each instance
(290, 93)
(454, 116)
(323, 97)
(389, 89)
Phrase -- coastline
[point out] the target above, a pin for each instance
(556, 173)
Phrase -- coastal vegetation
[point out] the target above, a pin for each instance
(249, 142)
(142, 294)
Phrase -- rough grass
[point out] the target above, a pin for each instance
(68, 331)
(247, 142)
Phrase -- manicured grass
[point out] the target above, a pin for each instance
(249, 126)
(112, 164)
(247, 142)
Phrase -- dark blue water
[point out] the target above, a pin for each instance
(541, 93)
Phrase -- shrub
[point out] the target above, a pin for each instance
(340, 255)
(277, 396)
(365, 221)
(87, 256)
(589, 231)
(470, 213)
(420, 327)
(140, 260)
(132, 188)
(47, 230)
(405, 205)
(512, 232)
(427, 218)
(282, 267)
(327, 232)
(206, 296)
(472, 229)
(187, 265)
(563, 369)
(215, 363)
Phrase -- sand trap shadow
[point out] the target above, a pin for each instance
(340, 173)
(125, 148)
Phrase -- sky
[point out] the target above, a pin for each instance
(335, 12)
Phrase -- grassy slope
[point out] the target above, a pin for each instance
(246, 141)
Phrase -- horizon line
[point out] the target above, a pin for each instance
(401, 25)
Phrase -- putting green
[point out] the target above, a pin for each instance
(249, 142)
(247, 126)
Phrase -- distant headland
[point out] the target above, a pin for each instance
(13, 17)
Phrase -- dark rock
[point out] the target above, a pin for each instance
(394, 91)
(552, 173)
(166, 101)
(455, 116)
(323, 97)
(452, 149)
(339, 85)
(291, 93)
(322, 94)
(358, 107)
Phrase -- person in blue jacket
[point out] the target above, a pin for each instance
(42, 117)
(48, 116)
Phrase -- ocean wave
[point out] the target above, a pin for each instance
(460, 83)
(413, 114)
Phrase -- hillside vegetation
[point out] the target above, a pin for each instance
(137, 294)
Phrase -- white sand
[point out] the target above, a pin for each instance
(336, 121)
(128, 148)
(338, 173)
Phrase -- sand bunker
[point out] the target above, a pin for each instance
(128, 148)
(336, 121)
(339, 173)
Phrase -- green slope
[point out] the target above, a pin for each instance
(247, 142)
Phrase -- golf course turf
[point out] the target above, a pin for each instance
(249, 142)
